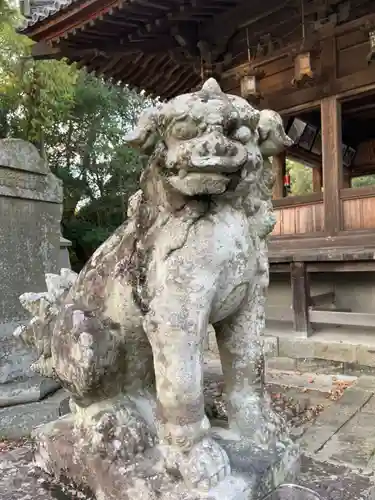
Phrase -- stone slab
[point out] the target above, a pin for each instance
(302, 348)
(353, 444)
(366, 382)
(310, 381)
(353, 349)
(336, 415)
(316, 437)
(355, 396)
(254, 472)
(19, 421)
(28, 391)
(319, 366)
(281, 363)
(335, 482)
(15, 359)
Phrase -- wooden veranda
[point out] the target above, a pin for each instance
(311, 60)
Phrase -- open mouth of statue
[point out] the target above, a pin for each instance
(199, 183)
(222, 164)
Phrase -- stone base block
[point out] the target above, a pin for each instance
(266, 468)
(18, 421)
(28, 391)
(255, 472)
(15, 358)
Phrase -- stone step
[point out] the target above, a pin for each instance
(18, 421)
(337, 350)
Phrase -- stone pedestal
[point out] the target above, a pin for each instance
(255, 472)
(30, 213)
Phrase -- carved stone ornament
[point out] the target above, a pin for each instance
(371, 54)
(126, 336)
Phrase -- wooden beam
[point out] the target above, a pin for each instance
(291, 100)
(328, 58)
(300, 298)
(346, 178)
(332, 163)
(244, 15)
(353, 245)
(342, 318)
(44, 50)
(340, 267)
(328, 267)
(294, 201)
(279, 170)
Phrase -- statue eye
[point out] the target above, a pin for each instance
(184, 130)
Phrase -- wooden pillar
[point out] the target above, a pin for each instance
(300, 298)
(317, 179)
(346, 180)
(279, 170)
(332, 163)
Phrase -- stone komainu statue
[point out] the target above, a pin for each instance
(126, 336)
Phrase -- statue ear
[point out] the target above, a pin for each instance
(272, 137)
(145, 135)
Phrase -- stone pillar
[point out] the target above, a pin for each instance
(64, 261)
(30, 214)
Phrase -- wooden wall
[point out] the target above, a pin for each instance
(294, 219)
(358, 208)
(352, 50)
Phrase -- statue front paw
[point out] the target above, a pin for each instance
(122, 435)
(205, 465)
(113, 430)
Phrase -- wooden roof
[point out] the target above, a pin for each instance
(167, 47)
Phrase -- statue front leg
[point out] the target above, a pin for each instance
(177, 326)
(241, 351)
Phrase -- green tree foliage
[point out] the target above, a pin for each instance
(78, 123)
(300, 178)
(99, 170)
(365, 180)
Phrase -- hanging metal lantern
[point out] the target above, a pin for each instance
(302, 68)
(249, 78)
(249, 87)
(371, 54)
